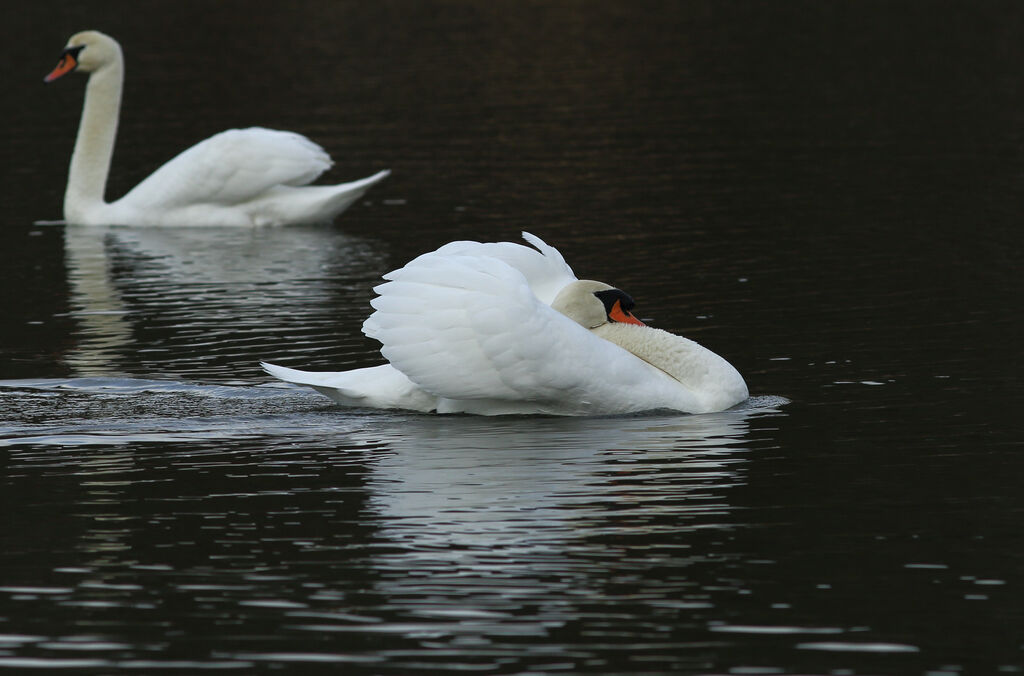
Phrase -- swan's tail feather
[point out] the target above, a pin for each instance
(375, 387)
(365, 183)
(293, 375)
(313, 203)
(328, 384)
(344, 194)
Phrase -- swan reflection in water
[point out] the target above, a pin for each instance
(195, 294)
(486, 508)
(488, 481)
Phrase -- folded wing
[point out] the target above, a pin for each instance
(232, 167)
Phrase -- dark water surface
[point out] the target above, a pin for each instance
(827, 194)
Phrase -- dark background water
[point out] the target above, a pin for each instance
(828, 194)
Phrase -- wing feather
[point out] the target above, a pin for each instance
(463, 325)
(544, 268)
(232, 167)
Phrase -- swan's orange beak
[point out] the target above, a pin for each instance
(622, 316)
(68, 62)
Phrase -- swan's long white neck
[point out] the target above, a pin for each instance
(94, 147)
(694, 366)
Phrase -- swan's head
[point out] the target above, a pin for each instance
(591, 304)
(86, 52)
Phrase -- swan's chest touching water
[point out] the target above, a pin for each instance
(699, 370)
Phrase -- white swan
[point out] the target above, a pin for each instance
(249, 176)
(501, 328)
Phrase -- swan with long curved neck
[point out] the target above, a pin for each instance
(251, 176)
(501, 328)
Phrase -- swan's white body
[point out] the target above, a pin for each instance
(249, 176)
(470, 328)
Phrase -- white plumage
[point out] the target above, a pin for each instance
(251, 176)
(470, 328)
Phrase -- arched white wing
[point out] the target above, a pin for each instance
(467, 326)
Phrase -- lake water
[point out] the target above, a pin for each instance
(827, 194)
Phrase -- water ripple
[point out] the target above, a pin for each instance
(270, 507)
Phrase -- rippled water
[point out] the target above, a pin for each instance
(247, 525)
(827, 195)
(202, 301)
